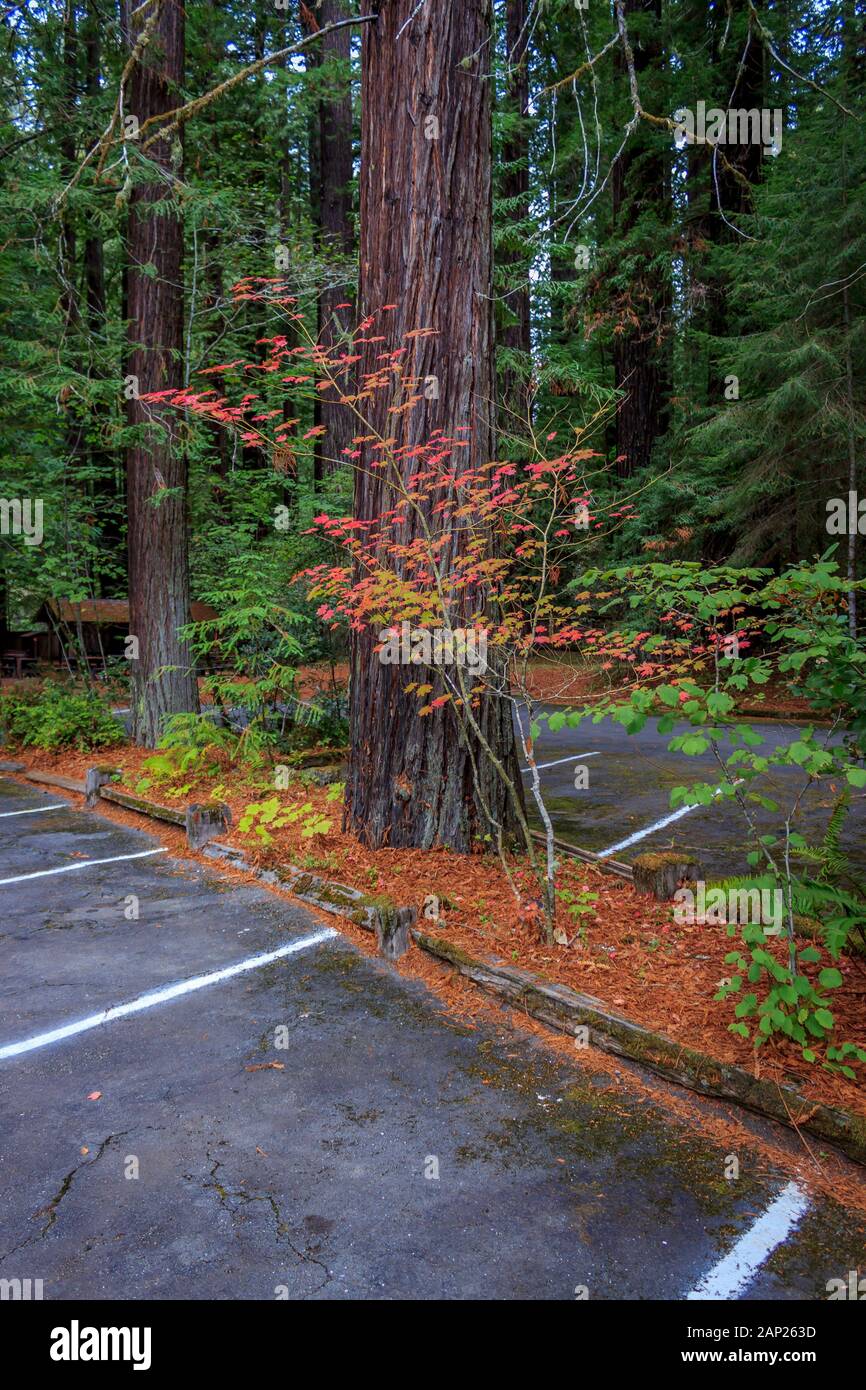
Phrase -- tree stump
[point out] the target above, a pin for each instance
(392, 930)
(94, 778)
(205, 823)
(663, 872)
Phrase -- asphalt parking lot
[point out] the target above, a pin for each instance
(312, 1125)
(624, 809)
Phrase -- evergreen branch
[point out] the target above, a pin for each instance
(768, 41)
(181, 114)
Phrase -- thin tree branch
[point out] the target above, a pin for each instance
(182, 114)
(768, 41)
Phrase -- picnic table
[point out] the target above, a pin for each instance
(13, 662)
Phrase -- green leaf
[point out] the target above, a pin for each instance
(693, 744)
(719, 702)
(799, 753)
(830, 978)
(668, 694)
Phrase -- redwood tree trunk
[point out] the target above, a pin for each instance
(640, 186)
(730, 195)
(163, 677)
(426, 247)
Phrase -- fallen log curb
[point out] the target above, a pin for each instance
(608, 866)
(53, 779)
(390, 924)
(173, 815)
(201, 822)
(567, 1011)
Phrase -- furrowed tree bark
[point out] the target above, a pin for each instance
(163, 677)
(426, 247)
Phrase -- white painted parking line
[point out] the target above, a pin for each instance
(85, 864)
(660, 824)
(739, 1267)
(34, 810)
(160, 996)
(642, 834)
(573, 759)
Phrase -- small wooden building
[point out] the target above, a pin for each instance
(103, 624)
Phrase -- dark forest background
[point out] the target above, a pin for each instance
(698, 314)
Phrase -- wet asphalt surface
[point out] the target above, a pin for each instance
(392, 1153)
(629, 785)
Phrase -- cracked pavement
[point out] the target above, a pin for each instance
(385, 1151)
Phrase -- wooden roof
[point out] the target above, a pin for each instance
(103, 611)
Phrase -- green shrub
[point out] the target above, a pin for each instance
(191, 743)
(59, 718)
